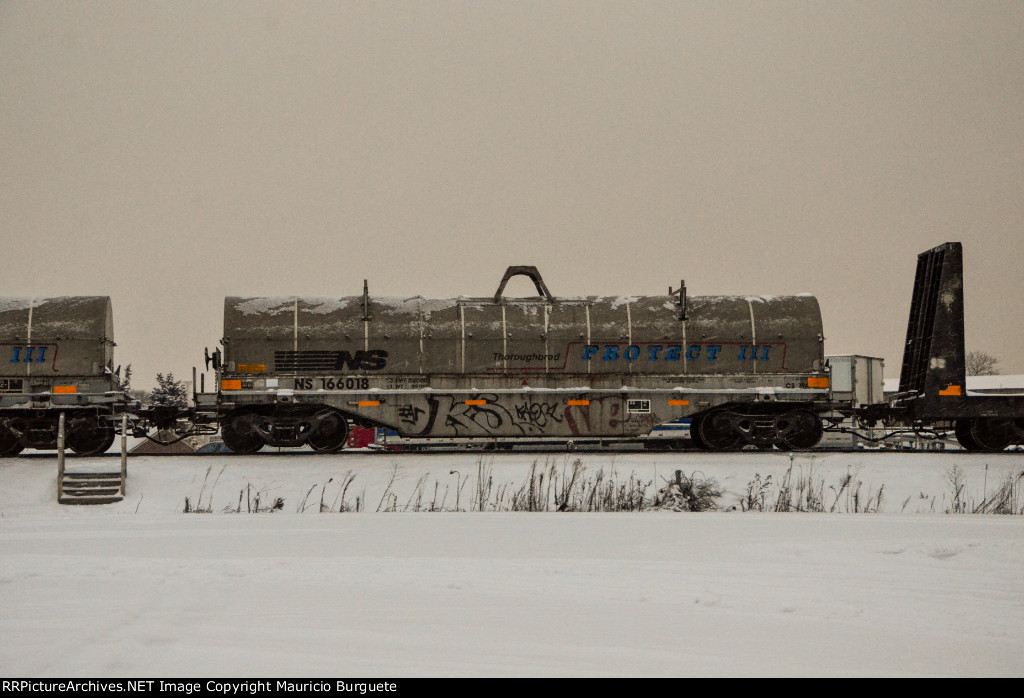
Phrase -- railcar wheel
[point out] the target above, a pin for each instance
(10, 444)
(799, 429)
(109, 441)
(719, 431)
(963, 435)
(86, 436)
(986, 433)
(330, 432)
(239, 433)
(695, 439)
(994, 434)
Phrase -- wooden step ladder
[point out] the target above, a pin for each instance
(91, 487)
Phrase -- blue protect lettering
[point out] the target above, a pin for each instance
(653, 352)
(673, 353)
(713, 352)
(693, 352)
(589, 351)
(632, 352)
(610, 354)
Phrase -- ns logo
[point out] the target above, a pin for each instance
(372, 360)
(360, 360)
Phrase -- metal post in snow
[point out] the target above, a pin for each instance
(124, 451)
(60, 456)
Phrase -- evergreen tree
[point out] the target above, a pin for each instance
(126, 386)
(169, 392)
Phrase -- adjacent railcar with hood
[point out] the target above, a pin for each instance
(58, 357)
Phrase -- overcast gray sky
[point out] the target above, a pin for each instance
(170, 153)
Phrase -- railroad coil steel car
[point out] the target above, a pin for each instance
(747, 370)
(58, 358)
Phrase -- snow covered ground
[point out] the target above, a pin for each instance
(141, 589)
